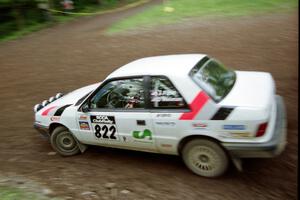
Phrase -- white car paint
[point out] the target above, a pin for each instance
(252, 89)
(253, 98)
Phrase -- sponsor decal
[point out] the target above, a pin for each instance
(165, 96)
(55, 118)
(103, 119)
(166, 99)
(163, 115)
(234, 127)
(240, 134)
(166, 145)
(196, 106)
(104, 127)
(83, 117)
(84, 125)
(145, 136)
(45, 112)
(199, 125)
(60, 111)
(163, 93)
(166, 123)
(222, 113)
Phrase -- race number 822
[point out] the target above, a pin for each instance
(104, 127)
(105, 132)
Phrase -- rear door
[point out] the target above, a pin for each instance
(167, 105)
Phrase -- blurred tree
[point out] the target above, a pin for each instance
(16, 15)
(46, 6)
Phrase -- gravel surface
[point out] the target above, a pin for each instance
(68, 56)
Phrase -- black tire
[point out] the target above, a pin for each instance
(205, 158)
(63, 142)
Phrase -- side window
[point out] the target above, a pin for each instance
(163, 94)
(127, 94)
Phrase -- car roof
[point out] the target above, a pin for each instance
(167, 65)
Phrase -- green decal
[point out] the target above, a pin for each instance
(142, 135)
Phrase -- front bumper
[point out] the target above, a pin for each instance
(268, 149)
(43, 130)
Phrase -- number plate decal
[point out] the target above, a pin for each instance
(104, 127)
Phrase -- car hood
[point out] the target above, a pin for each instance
(71, 97)
(74, 96)
(251, 89)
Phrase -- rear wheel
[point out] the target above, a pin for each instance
(205, 158)
(63, 142)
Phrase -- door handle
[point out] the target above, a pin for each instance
(141, 122)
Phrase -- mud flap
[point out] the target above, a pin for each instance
(237, 163)
(82, 147)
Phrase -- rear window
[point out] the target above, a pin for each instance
(213, 77)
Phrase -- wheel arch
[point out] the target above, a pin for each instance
(54, 126)
(186, 139)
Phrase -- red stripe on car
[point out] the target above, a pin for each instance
(47, 111)
(195, 106)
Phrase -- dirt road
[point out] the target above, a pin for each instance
(65, 57)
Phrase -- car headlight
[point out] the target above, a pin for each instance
(58, 95)
(51, 99)
(37, 107)
(45, 102)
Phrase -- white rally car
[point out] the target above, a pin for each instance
(187, 105)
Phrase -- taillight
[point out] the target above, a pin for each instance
(261, 129)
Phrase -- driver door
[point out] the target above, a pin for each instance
(117, 116)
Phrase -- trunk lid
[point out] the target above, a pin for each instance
(251, 89)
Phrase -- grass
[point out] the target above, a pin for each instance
(9, 193)
(59, 18)
(184, 9)
(26, 30)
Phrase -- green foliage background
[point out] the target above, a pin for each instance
(18, 17)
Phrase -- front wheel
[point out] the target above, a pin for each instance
(205, 158)
(63, 142)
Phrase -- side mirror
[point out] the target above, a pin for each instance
(85, 108)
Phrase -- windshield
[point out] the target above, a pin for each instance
(213, 78)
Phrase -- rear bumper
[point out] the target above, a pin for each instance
(43, 130)
(268, 149)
